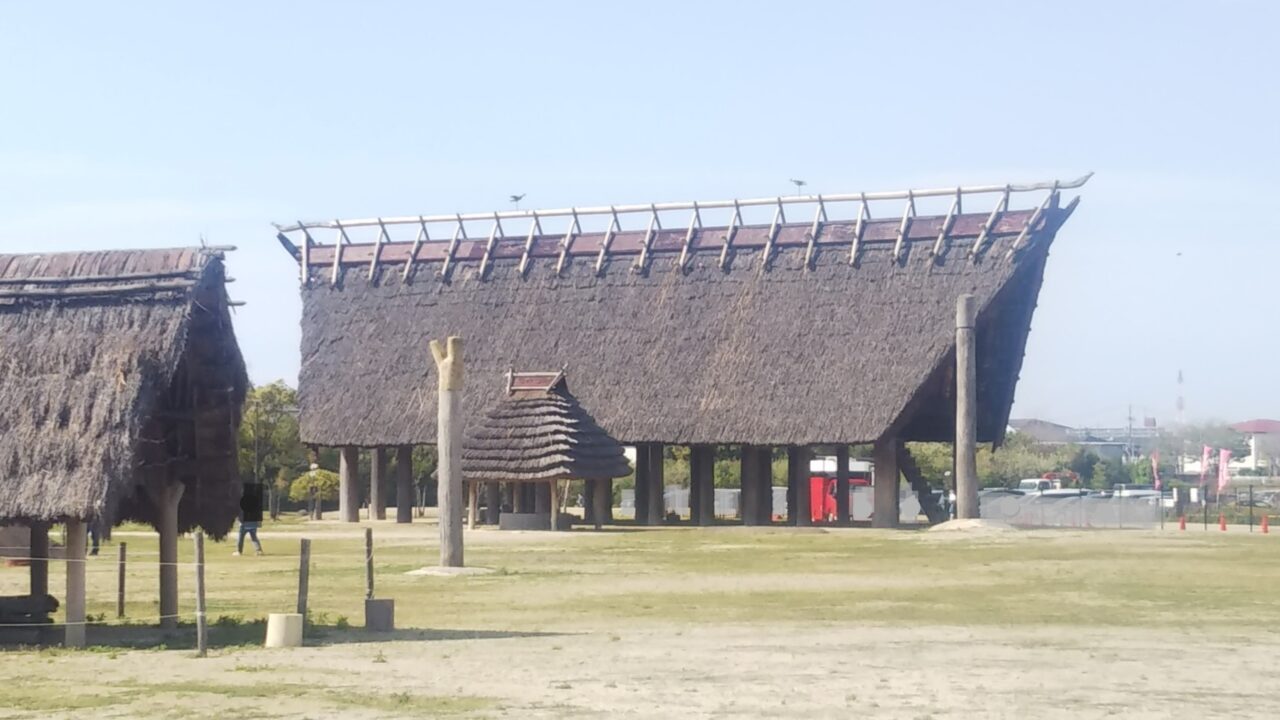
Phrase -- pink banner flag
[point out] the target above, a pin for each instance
(1204, 464)
(1155, 467)
(1224, 476)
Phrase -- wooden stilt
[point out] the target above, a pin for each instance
(886, 484)
(842, 485)
(748, 498)
(349, 484)
(702, 482)
(642, 484)
(39, 551)
(765, 485)
(589, 502)
(448, 358)
(542, 498)
(695, 501)
(602, 499)
(657, 486)
(75, 606)
(473, 504)
(966, 447)
(553, 492)
(378, 485)
(492, 503)
(166, 496)
(404, 484)
(798, 474)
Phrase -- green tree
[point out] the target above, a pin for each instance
(268, 442)
(314, 487)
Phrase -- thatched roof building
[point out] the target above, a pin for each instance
(778, 333)
(539, 433)
(118, 368)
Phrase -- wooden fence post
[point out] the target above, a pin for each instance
(304, 575)
(368, 563)
(202, 627)
(120, 567)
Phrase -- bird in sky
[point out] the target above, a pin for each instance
(799, 185)
(516, 199)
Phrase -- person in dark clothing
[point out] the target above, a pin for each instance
(250, 517)
(95, 537)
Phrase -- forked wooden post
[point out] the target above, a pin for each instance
(304, 575)
(448, 358)
(202, 628)
(120, 575)
(966, 411)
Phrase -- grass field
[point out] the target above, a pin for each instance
(690, 622)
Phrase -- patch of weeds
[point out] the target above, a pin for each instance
(249, 668)
(380, 657)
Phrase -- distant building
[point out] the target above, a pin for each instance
(1264, 446)
(1101, 443)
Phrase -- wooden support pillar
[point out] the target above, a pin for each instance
(702, 484)
(378, 485)
(449, 424)
(518, 504)
(589, 501)
(966, 447)
(657, 486)
(641, 498)
(492, 503)
(749, 478)
(842, 485)
(39, 552)
(886, 483)
(553, 491)
(798, 478)
(765, 485)
(404, 484)
(166, 496)
(75, 606)
(601, 501)
(473, 504)
(349, 484)
(542, 498)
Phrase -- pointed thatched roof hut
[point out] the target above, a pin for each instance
(540, 433)
(118, 366)
(823, 331)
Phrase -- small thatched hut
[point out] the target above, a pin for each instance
(715, 329)
(538, 433)
(121, 386)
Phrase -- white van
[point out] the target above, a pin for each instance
(1035, 485)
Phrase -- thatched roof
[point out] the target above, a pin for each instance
(786, 342)
(119, 367)
(539, 432)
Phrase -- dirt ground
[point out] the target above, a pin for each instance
(676, 623)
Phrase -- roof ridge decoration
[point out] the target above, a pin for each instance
(615, 240)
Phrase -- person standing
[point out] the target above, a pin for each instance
(250, 517)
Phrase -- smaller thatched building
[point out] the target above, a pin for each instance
(122, 385)
(538, 433)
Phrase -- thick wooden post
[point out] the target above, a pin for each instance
(448, 357)
(75, 615)
(378, 485)
(39, 549)
(404, 484)
(886, 484)
(492, 503)
(749, 478)
(349, 484)
(601, 501)
(304, 575)
(166, 496)
(702, 484)
(553, 493)
(643, 459)
(765, 484)
(202, 628)
(657, 486)
(120, 575)
(473, 504)
(966, 410)
(842, 485)
(798, 476)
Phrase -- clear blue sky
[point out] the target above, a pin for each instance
(151, 124)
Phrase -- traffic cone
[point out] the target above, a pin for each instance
(1266, 527)
(1182, 523)
(1222, 522)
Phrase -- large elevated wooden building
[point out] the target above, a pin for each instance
(795, 321)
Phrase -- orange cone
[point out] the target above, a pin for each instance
(1222, 522)
(1266, 528)
(1182, 523)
